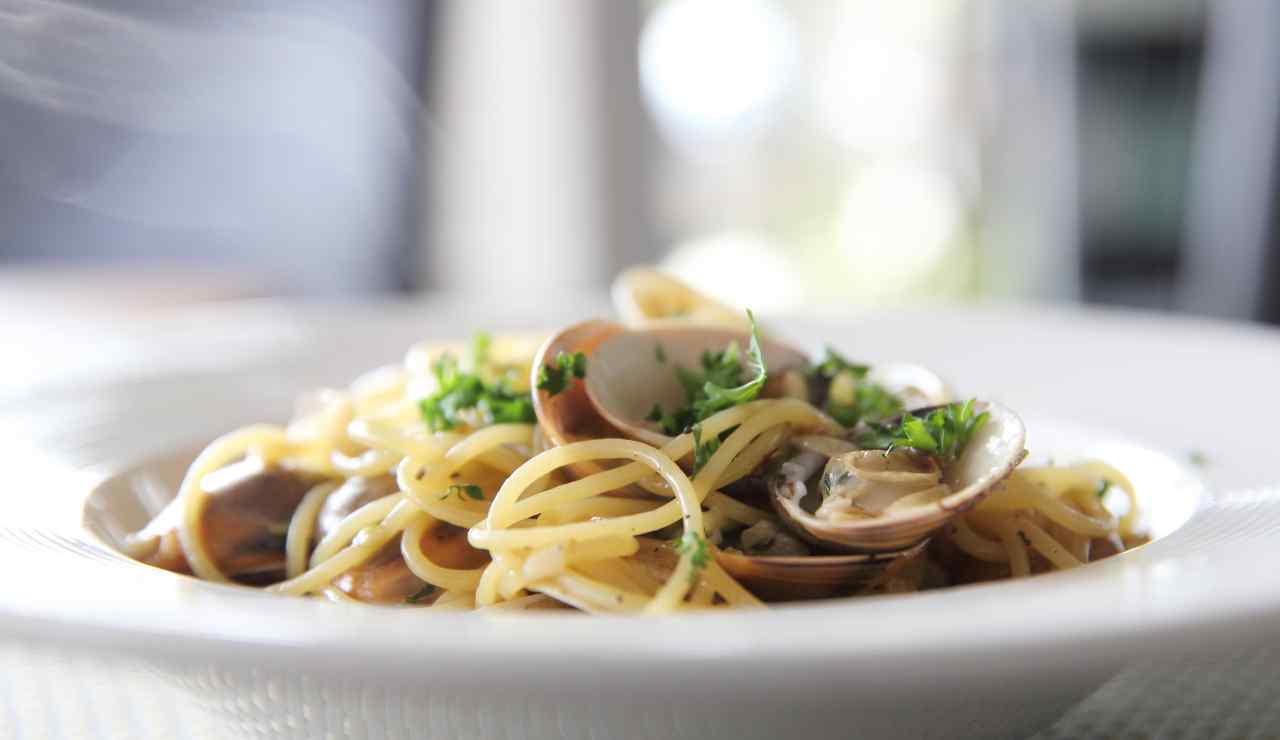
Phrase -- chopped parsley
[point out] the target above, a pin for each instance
(1104, 485)
(726, 379)
(943, 432)
(420, 594)
(660, 353)
(702, 451)
(1198, 458)
(871, 402)
(478, 352)
(554, 377)
(457, 391)
(672, 423)
(467, 490)
(694, 545)
(833, 363)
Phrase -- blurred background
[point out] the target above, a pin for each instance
(831, 155)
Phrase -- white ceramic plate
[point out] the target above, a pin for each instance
(85, 464)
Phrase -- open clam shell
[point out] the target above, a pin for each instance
(917, 386)
(569, 416)
(630, 371)
(794, 578)
(644, 296)
(991, 455)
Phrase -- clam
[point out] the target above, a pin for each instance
(625, 379)
(644, 296)
(873, 502)
(245, 522)
(351, 495)
(876, 513)
(386, 578)
(798, 577)
(917, 386)
(569, 416)
(631, 370)
(775, 566)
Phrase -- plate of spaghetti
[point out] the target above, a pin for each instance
(654, 519)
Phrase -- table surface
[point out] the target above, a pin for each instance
(48, 692)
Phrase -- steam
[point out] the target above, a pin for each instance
(270, 119)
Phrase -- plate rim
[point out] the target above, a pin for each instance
(1202, 612)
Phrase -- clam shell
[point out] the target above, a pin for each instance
(569, 416)
(916, 385)
(644, 297)
(991, 455)
(625, 377)
(797, 578)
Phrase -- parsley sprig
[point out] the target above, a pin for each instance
(702, 451)
(726, 379)
(554, 377)
(943, 432)
(694, 545)
(459, 389)
(833, 363)
(871, 401)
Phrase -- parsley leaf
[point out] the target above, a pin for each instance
(507, 410)
(871, 402)
(660, 353)
(702, 451)
(695, 546)
(469, 490)
(457, 391)
(943, 432)
(420, 594)
(1104, 485)
(676, 422)
(721, 390)
(478, 352)
(834, 363)
(719, 385)
(554, 377)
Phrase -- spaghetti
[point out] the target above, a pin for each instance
(436, 483)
